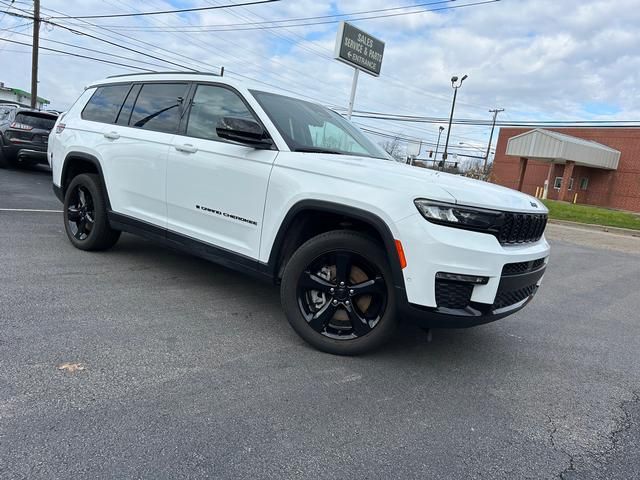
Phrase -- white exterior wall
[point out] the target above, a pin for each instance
(543, 145)
(9, 96)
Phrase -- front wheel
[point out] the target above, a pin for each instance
(338, 295)
(4, 161)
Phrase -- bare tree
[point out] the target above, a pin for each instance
(394, 148)
(474, 169)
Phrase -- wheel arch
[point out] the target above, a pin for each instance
(294, 231)
(76, 163)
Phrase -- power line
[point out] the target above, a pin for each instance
(301, 19)
(95, 51)
(78, 55)
(78, 32)
(204, 29)
(515, 123)
(164, 12)
(198, 62)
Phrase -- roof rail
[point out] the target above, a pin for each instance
(175, 72)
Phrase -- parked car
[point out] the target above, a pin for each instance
(292, 192)
(24, 134)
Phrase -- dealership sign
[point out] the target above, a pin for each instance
(359, 49)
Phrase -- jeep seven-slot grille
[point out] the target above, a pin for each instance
(522, 267)
(522, 227)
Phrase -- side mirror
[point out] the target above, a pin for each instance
(243, 131)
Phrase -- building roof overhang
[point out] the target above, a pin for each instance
(548, 146)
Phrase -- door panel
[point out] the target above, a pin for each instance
(216, 190)
(136, 150)
(217, 193)
(135, 167)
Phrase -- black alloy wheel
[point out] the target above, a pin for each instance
(81, 213)
(337, 293)
(85, 214)
(342, 295)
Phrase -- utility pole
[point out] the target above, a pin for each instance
(493, 126)
(34, 53)
(455, 87)
(435, 155)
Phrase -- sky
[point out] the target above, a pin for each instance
(538, 59)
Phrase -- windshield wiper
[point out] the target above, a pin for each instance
(319, 150)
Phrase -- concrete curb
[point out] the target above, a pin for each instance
(600, 228)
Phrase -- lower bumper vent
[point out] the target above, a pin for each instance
(453, 294)
(510, 297)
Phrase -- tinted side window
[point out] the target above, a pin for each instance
(158, 107)
(105, 103)
(127, 108)
(210, 104)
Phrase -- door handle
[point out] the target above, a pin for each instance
(112, 135)
(186, 148)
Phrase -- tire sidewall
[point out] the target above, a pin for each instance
(90, 182)
(352, 242)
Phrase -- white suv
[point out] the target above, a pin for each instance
(294, 193)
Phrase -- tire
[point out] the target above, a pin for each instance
(85, 214)
(4, 161)
(349, 319)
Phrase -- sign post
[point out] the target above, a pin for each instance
(360, 50)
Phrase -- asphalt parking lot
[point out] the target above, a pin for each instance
(191, 370)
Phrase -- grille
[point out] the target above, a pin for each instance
(504, 299)
(522, 227)
(453, 294)
(522, 267)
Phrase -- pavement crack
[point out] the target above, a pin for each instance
(553, 429)
(625, 424)
(614, 437)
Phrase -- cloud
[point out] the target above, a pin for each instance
(538, 59)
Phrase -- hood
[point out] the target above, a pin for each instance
(465, 191)
(477, 193)
(414, 182)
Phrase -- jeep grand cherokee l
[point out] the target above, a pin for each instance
(292, 192)
(24, 134)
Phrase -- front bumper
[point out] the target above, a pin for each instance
(526, 285)
(430, 249)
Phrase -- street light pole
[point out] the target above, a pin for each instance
(493, 126)
(455, 87)
(435, 156)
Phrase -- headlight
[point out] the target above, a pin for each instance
(469, 218)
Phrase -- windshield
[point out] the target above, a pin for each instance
(309, 127)
(35, 120)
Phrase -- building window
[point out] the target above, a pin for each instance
(584, 183)
(571, 184)
(557, 183)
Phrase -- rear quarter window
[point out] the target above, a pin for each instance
(105, 103)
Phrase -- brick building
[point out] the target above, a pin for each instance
(600, 165)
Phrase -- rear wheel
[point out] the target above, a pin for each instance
(85, 214)
(338, 294)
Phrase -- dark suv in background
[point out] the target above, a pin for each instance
(24, 134)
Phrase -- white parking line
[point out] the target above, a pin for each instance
(30, 210)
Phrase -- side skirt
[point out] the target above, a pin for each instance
(190, 245)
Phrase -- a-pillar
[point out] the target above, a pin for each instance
(523, 171)
(566, 178)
